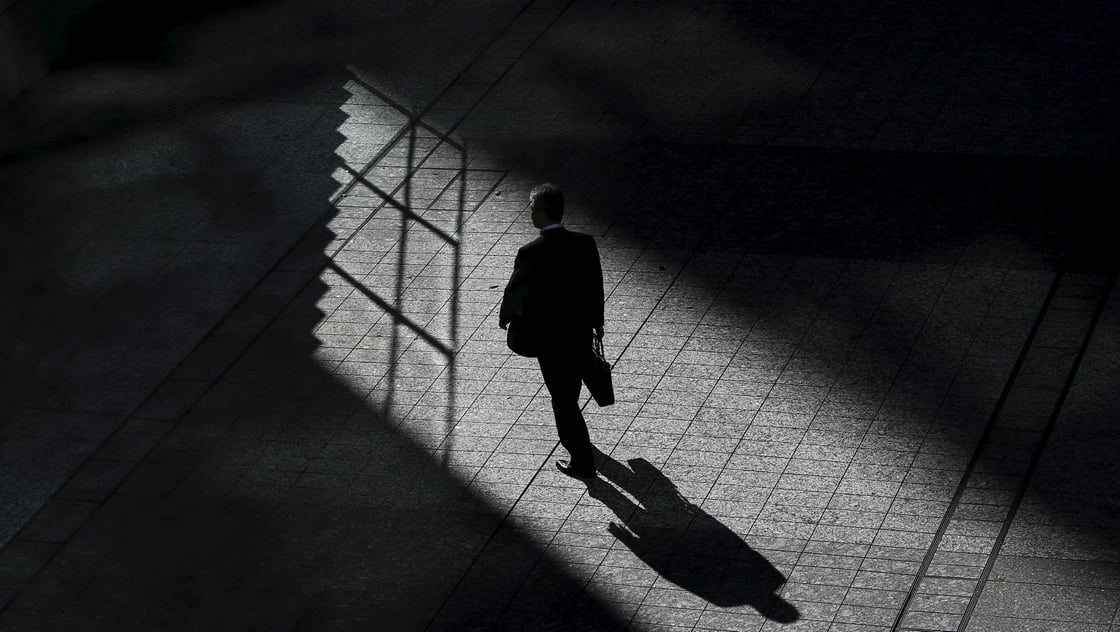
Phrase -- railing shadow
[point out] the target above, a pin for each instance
(399, 197)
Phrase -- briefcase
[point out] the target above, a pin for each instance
(597, 374)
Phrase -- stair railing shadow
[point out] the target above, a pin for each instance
(402, 200)
(684, 544)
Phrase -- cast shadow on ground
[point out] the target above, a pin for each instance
(684, 544)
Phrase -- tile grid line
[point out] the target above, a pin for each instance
(511, 424)
(863, 439)
(894, 381)
(780, 129)
(505, 518)
(695, 249)
(689, 259)
(957, 80)
(801, 551)
(276, 265)
(443, 137)
(1036, 455)
(825, 67)
(664, 375)
(986, 112)
(974, 460)
(586, 403)
(402, 264)
(361, 289)
(450, 370)
(743, 434)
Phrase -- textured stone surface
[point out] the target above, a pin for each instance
(257, 381)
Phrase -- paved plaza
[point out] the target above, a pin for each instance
(860, 265)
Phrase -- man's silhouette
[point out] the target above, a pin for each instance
(554, 299)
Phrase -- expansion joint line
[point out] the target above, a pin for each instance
(1036, 456)
(962, 486)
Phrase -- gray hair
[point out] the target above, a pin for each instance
(549, 199)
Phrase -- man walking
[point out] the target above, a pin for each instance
(554, 300)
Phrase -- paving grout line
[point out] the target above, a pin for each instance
(863, 438)
(548, 458)
(825, 67)
(972, 342)
(586, 403)
(317, 225)
(743, 435)
(450, 370)
(664, 375)
(692, 255)
(723, 372)
(1036, 455)
(498, 369)
(807, 540)
(962, 486)
(942, 103)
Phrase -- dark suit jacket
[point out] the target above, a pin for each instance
(556, 289)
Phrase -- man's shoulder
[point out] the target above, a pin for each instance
(583, 241)
(574, 236)
(558, 239)
(531, 246)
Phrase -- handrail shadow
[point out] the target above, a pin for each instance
(685, 544)
(400, 198)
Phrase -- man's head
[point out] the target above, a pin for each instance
(547, 203)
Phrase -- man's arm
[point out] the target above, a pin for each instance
(596, 280)
(517, 291)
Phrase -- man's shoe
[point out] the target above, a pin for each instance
(579, 473)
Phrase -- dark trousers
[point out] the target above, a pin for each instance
(562, 372)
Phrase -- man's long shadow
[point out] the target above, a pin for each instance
(684, 544)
